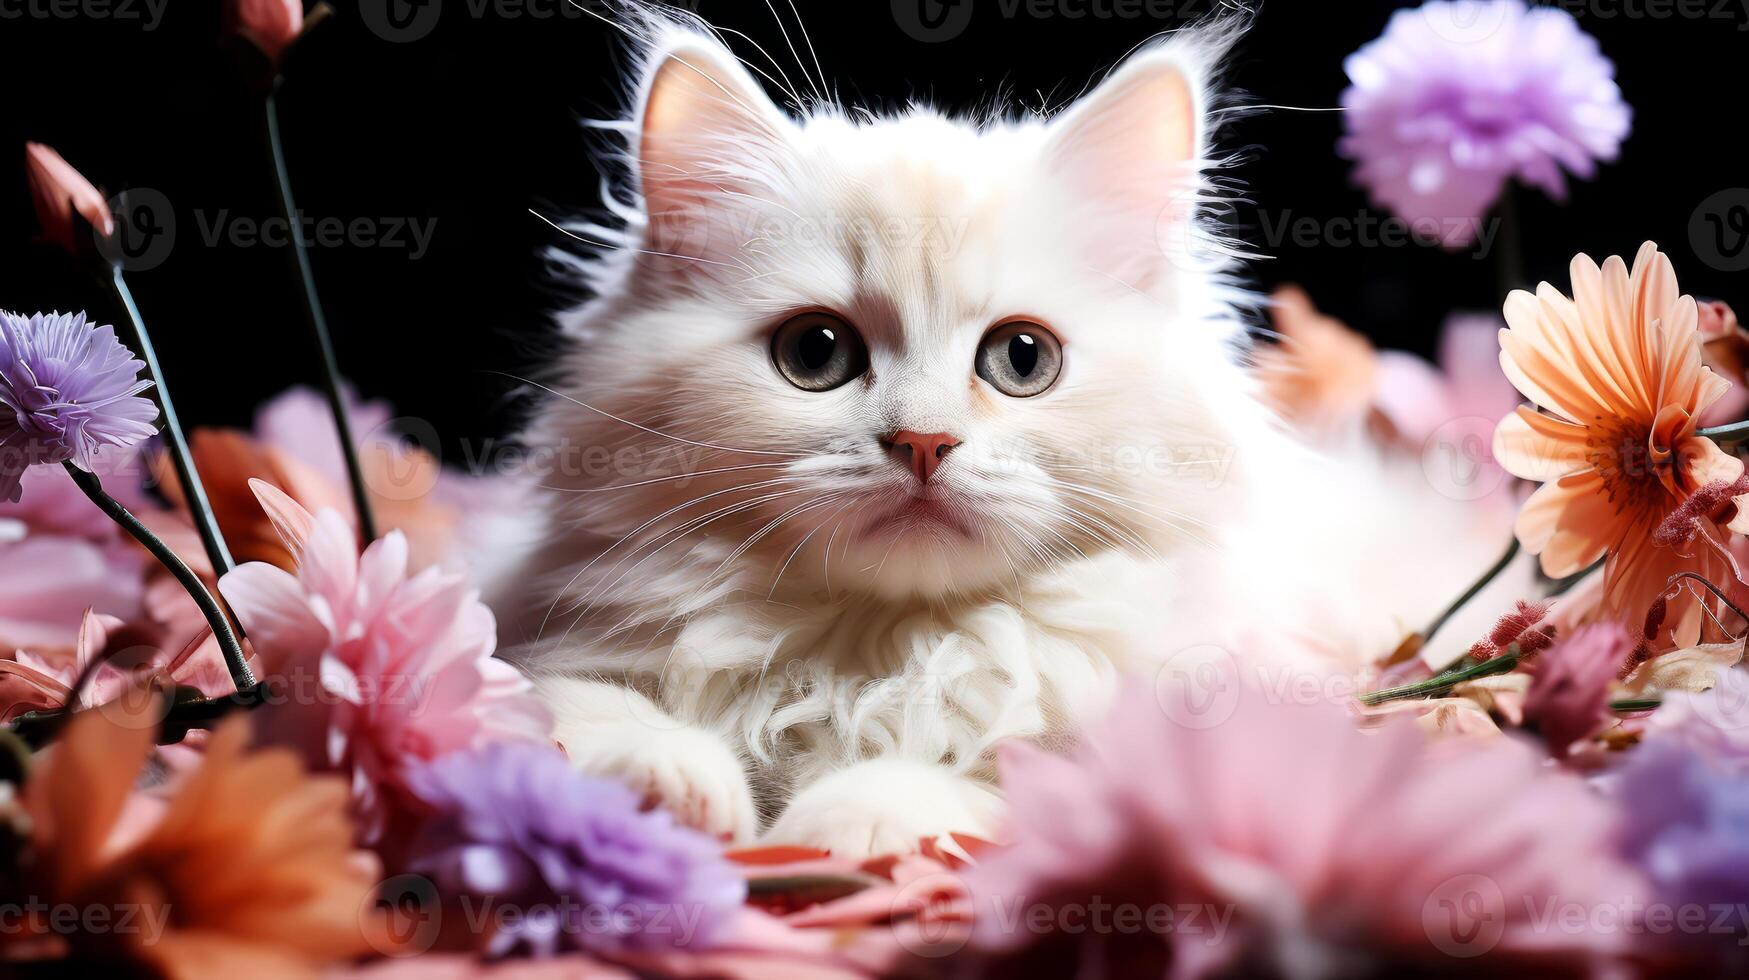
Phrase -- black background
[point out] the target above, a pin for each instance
(477, 121)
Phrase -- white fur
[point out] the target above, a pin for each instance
(726, 568)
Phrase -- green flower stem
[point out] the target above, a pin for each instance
(193, 490)
(1434, 685)
(241, 675)
(1630, 705)
(1473, 591)
(318, 325)
(1727, 434)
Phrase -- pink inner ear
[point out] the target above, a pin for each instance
(1128, 155)
(1136, 135)
(705, 121)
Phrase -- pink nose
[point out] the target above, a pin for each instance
(922, 452)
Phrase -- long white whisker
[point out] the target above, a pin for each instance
(645, 428)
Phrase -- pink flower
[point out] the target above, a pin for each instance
(59, 555)
(1569, 698)
(58, 191)
(1725, 346)
(271, 25)
(1308, 848)
(125, 656)
(378, 670)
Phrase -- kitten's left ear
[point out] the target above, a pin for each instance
(1134, 147)
(706, 131)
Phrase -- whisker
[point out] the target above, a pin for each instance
(662, 479)
(561, 229)
(645, 428)
(560, 594)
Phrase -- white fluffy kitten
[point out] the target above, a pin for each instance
(889, 438)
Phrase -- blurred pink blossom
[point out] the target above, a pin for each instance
(1313, 848)
(59, 555)
(123, 656)
(1725, 346)
(1569, 696)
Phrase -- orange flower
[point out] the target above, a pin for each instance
(247, 870)
(1617, 372)
(1322, 375)
(397, 479)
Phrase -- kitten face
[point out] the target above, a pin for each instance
(912, 356)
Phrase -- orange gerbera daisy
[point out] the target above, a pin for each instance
(1617, 372)
(248, 869)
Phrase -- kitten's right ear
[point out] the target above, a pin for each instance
(705, 130)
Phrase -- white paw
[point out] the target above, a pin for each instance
(688, 771)
(886, 806)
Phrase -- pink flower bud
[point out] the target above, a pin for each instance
(58, 190)
(271, 25)
(1569, 698)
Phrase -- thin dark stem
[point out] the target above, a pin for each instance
(241, 675)
(1474, 590)
(37, 728)
(1509, 245)
(318, 324)
(1631, 705)
(1433, 685)
(193, 490)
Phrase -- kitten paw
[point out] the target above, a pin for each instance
(886, 806)
(689, 771)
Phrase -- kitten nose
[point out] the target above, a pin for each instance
(922, 452)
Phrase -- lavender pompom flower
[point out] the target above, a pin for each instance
(1686, 825)
(1456, 98)
(559, 860)
(66, 390)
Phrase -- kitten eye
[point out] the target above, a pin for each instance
(1020, 358)
(818, 352)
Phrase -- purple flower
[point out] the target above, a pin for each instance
(1456, 98)
(556, 859)
(1713, 723)
(1687, 827)
(66, 389)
